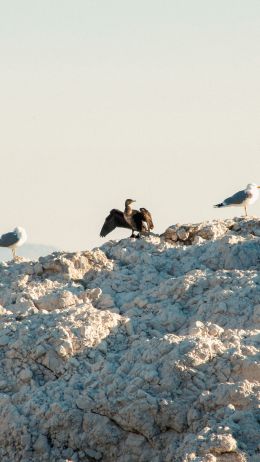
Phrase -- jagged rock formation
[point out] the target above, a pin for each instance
(144, 350)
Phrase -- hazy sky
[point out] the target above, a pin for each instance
(102, 100)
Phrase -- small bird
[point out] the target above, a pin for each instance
(136, 220)
(14, 239)
(242, 198)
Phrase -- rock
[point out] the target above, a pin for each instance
(256, 314)
(4, 340)
(25, 375)
(41, 445)
(141, 350)
(198, 233)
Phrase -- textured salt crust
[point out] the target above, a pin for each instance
(143, 350)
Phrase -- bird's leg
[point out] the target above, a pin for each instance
(138, 236)
(14, 255)
(245, 211)
(132, 235)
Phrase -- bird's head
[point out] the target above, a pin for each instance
(21, 233)
(129, 202)
(252, 186)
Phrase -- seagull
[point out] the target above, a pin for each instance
(242, 198)
(136, 220)
(13, 239)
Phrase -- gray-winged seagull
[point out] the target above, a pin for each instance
(242, 198)
(14, 239)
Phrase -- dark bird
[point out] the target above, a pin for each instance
(13, 239)
(136, 220)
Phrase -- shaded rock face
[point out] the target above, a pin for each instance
(143, 350)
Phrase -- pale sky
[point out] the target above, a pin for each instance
(102, 100)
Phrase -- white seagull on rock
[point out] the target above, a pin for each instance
(242, 198)
(14, 239)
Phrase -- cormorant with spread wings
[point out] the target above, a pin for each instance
(136, 220)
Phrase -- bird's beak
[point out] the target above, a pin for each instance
(258, 187)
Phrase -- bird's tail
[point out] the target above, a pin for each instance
(219, 205)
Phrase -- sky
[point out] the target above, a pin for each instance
(104, 100)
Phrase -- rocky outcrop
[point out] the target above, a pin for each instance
(143, 350)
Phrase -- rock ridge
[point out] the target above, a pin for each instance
(141, 350)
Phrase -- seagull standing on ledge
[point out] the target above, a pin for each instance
(14, 239)
(242, 198)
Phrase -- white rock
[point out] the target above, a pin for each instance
(143, 350)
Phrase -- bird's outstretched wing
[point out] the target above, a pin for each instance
(8, 239)
(114, 220)
(147, 217)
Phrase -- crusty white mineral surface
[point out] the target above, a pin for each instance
(141, 351)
